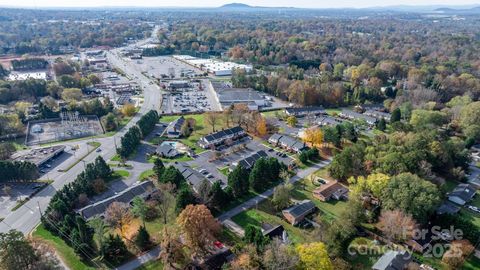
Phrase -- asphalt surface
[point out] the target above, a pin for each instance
(26, 218)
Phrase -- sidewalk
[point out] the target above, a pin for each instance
(140, 260)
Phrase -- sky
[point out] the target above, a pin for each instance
(216, 3)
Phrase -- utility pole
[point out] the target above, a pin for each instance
(39, 209)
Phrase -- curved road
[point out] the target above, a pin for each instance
(26, 218)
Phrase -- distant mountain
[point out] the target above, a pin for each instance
(236, 5)
(473, 10)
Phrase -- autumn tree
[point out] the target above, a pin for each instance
(118, 216)
(374, 183)
(455, 256)
(314, 256)
(199, 228)
(292, 121)
(261, 126)
(313, 136)
(128, 110)
(396, 225)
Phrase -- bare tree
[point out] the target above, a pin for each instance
(212, 119)
(279, 256)
(397, 225)
(166, 201)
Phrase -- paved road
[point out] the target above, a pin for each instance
(259, 198)
(26, 217)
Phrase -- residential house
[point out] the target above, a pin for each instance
(448, 207)
(304, 111)
(349, 114)
(193, 177)
(167, 150)
(287, 142)
(248, 162)
(220, 137)
(175, 127)
(378, 114)
(331, 190)
(393, 260)
(328, 121)
(297, 213)
(462, 194)
(143, 189)
(273, 232)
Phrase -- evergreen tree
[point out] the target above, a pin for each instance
(172, 175)
(396, 115)
(219, 197)
(382, 125)
(142, 239)
(158, 168)
(114, 250)
(253, 235)
(102, 168)
(238, 181)
(184, 198)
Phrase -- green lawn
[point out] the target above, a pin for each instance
(473, 263)
(224, 171)
(276, 113)
(146, 174)
(361, 260)
(329, 210)
(121, 173)
(66, 253)
(151, 265)
(265, 213)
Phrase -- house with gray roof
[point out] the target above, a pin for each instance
(462, 194)
(166, 150)
(287, 142)
(328, 121)
(248, 162)
(193, 177)
(349, 114)
(304, 111)
(378, 114)
(448, 207)
(297, 213)
(143, 190)
(220, 137)
(393, 260)
(174, 128)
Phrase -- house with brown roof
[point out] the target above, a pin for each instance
(331, 190)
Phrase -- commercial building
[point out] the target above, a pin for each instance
(39, 156)
(227, 95)
(212, 66)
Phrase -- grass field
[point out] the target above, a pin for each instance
(152, 265)
(145, 175)
(66, 253)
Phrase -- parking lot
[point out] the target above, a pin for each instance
(196, 98)
(211, 168)
(15, 192)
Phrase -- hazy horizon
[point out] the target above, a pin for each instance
(217, 3)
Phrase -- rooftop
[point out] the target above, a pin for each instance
(300, 209)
